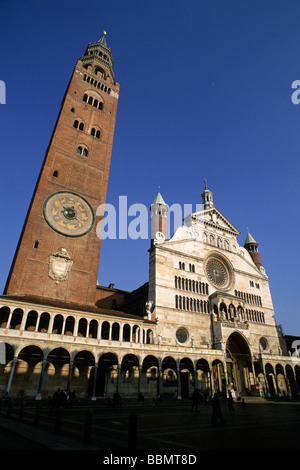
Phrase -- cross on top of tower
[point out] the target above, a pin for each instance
(102, 40)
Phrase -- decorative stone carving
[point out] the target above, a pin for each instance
(60, 265)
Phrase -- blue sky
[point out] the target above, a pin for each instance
(205, 93)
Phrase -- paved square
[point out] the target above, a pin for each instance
(166, 427)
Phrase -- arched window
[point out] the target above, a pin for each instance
(90, 101)
(93, 131)
(100, 105)
(81, 125)
(95, 103)
(85, 98)
(98, 134)
(76, 124)
(82, 151)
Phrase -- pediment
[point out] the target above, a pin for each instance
(214, 219)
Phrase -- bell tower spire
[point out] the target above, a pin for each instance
(100, 54)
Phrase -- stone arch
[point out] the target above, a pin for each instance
(82, 327)
(115, 331)
(169, 377)
(270, 376)
(280, 380)
(16, 319)
(202, 376)
(107, 375)
(93, 329)
(27, 371)
(44, 322)
(150, 376)
(186, 368)
(129, 375)
(218, 377)
(240, 375)
(4, 316)
(31, 320)
(291, 380)
(105, 329)
(81, 379)
(69, 326)
(58, 359)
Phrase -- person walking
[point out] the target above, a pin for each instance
(230, 401)
(216, 410)
(56, 401)
(195, 399)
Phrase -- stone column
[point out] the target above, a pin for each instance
(121, 332)
(95, 381)
(69, 376)
(12, 371)
(210, 381)
(118, 376)
(226, 378)
(159, 385)
(10, 316)
(38, 321)
(139, 379)
(39, 395)
(24, 319)
(99, 330)
(50, 326)
(178, 380)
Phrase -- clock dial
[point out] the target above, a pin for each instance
(68, 214)
(218, 272)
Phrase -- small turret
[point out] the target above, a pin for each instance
(252, 247)
(159, 217)
(207, 198)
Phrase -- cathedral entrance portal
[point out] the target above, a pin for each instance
(238, 364)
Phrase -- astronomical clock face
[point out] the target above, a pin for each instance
(68, 214)
(218, 272)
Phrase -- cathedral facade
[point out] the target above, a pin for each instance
(205, 318)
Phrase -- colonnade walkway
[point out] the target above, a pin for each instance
(161, 427)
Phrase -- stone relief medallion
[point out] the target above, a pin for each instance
(60, 265)
(218, 272)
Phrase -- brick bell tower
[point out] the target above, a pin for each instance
(57, 256)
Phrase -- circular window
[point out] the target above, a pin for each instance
(263, 344)
(181, 335)
(218, 272)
